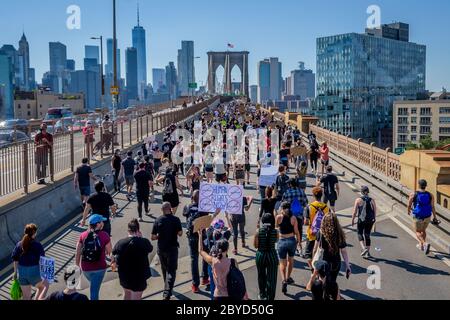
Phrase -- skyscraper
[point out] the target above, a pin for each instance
(139, 43)
(270, 82)
(159, 78)
(132, 73)
(109, 68)
(186, 70)
(70, 65)
(86, 82)
(276, 80)
(172, 81)
(263, 81)
(92, 52)
(302, 83)
(6, 87)
(254, 93)
(58, 65)
(24, 55)
(359, 76)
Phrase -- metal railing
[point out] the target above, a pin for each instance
(20, 162)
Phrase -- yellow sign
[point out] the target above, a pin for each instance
(114, 91)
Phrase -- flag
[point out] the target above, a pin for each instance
(230, 45)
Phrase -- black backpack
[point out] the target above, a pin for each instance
(236, 283)
(92, 248)
(168, 185)
(367, 214)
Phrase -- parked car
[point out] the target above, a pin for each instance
(18, 124)
(8, 137)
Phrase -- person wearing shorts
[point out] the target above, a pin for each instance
(82, 180)
(128, 167)
(287, 245)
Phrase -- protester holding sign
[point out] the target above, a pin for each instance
(26, 256)
(238, 223)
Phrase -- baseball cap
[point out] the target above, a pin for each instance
(96, 218)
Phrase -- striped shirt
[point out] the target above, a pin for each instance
(266, 242)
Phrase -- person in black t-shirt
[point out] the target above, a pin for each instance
(130, 255)
(82, 180)
(330, 188)
(166, 230)
(143, 184)
(116, 165)
(100, 203)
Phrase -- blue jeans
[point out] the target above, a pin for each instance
(95, 278)
(212, 286)
(193, 246)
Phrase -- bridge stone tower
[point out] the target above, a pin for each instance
(228, 60)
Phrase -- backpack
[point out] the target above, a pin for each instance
(317, 222)
(236, 283)
(296, 208)
(422, 205)
(191, 215)
(367, 213)
(92, 248)
(168, 185)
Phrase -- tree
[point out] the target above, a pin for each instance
(427, 143)
(411, 146)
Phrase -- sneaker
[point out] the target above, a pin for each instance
(195, 289)
(290, 281)
(364, 252)
(205, 282)
(235, 252)
(427, 248)
(284, 287)
(41, 182)
(141, 220)
(418, 246)
(147, 213)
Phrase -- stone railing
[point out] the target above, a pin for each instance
(379, 160)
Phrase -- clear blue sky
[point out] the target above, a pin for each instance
(282, 28)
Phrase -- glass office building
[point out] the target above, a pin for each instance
(359, 76)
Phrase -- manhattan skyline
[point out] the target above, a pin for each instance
(291, 28)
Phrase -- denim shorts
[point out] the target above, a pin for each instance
(85, 191)
(286, 247)
(29, 276)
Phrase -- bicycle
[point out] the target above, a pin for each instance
(105, 143)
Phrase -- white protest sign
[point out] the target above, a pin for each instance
(226, 197)
(268, 176)
(47, 269)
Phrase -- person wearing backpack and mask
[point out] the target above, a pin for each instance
(228, 279)
(92, 248)
(287, 245)
(298, 201)
(266, 257)
(421, 207)
(313, 219)
(365, 209)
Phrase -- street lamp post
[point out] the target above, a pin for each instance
(101, 69)
(115, 96)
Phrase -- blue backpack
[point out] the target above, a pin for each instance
(296, 208)
(422, 205)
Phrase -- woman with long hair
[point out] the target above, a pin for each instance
(331, 239)
(26, 257)
(193, 179)
(266, 257)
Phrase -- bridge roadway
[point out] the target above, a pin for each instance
(406, 273)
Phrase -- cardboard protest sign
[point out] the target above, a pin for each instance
(298, 151)
(226, 197)
(47, 269)
(202, 223)
(268, 176)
